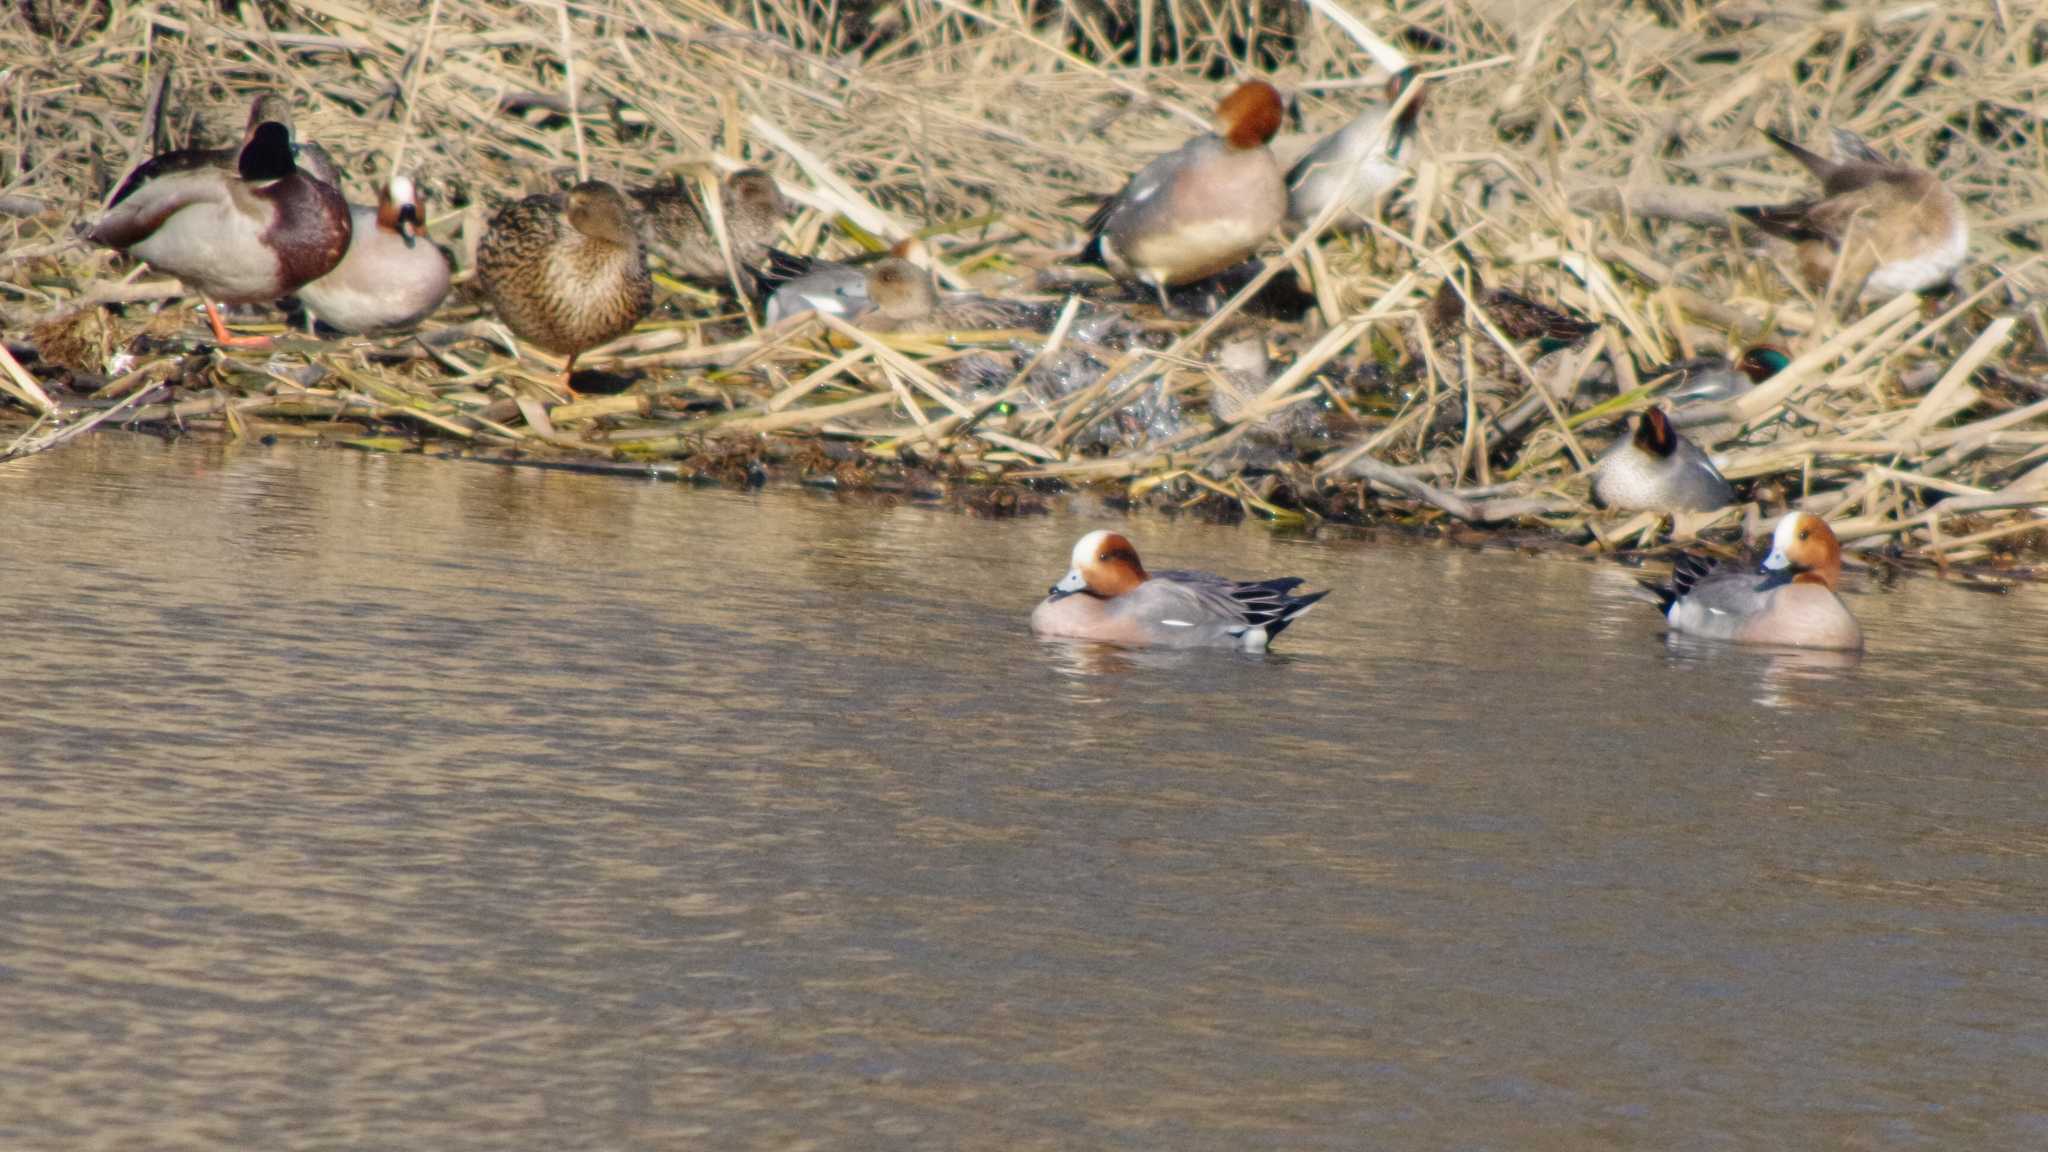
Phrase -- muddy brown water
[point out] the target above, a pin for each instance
(364, 802)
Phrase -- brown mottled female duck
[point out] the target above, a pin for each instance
(677, 227)
(566, 271)
(241, 235)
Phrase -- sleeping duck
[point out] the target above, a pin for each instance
(393, 276)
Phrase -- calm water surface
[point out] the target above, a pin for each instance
(356, 802)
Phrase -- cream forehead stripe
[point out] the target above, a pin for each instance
(1787, 532)
(1086, 547)
(401, 188)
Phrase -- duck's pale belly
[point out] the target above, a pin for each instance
(217, 251)
(382, 283)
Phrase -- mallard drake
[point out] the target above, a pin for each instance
(566, 270)
(1367, 156)
(676, 227)
(1659, 470)
(392, 277)
(241, 236)
(1201, 208)
(1878, 228)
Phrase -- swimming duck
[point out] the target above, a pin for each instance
(1519, 318)
(1365, 155)
(392, 277)
(244, 235)
(1108, 596)
(676, 228)
(1659, 470)
(1890, 228)
(1793, 602)
(904, 298)
(1201, 208)
(566, 271)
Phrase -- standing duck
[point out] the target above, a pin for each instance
(1359, 161)
(244, 235)
(1107, 595)
(677, 228)
(566, 271)
(392, 277)
(1659, 470)
(1201, 208)
(1878, 228)
(1793, 602)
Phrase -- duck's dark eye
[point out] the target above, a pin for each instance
(1802, 535)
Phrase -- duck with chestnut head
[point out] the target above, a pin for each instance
(1108, 596)
(566, 271)
(1201, 208)
(392, 278)
(1792, 602)
(241, 235)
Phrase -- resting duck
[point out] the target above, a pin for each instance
(797, 284)
(1365, 156)
(1519, 318)
(566, 271)
(1659, 470)
(1879, 228)
(244, 235)
(676, 228)
(903, 298)
(1108, 596)
(392, 277)
(1792, 603)
(1201, 208)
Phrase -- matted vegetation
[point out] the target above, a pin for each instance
(1584, 154)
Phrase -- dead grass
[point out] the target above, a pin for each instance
(1584, 154)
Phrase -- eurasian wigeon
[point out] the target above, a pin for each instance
(1878, 228)
(1659, 470)
(1201, 208)
(1791, 603)
(1359, 161)
(1108, 596)
(676, 225)
(392, 277)
(242, 235)
(567, 271)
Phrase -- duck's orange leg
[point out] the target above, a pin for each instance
(569, 377)
(227, 339)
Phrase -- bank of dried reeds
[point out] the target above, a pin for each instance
(1585, 154)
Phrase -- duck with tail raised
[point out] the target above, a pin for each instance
(1877, 229)
(245, 234)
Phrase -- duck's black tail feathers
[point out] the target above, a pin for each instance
(1686, 572)
(1272, 605)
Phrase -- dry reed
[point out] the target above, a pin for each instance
(1583, 154)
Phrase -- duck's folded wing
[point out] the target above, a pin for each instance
(1242, 605)
(142, 205)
